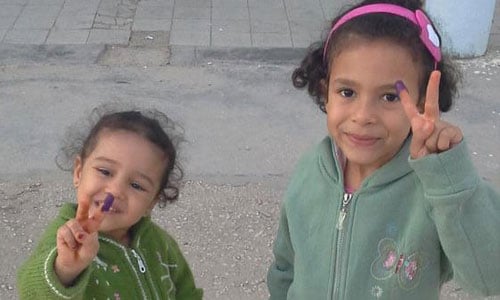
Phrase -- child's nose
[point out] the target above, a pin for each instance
(364, 112)
(116, 187)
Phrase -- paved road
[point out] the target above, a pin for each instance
(244, 123)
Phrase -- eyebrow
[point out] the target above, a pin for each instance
(113, 162)
(344, 81)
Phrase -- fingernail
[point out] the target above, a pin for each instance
(108, 201)
(400, 86)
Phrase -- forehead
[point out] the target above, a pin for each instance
(353, 41)
(381, 58)
(128, 141)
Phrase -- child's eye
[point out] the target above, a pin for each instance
(137, 186)
(103, 171)
(347, 93)
(391, 97)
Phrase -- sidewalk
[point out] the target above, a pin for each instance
(198, 23)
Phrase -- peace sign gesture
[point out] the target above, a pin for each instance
(430, 133)
(77, 240)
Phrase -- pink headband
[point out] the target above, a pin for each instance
(428, 34)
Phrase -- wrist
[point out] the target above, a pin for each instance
(66, 274)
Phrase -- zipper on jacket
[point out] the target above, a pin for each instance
(127, 253)
(343, 210)
(140, 263)
(346, 200)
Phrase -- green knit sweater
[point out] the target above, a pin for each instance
(151, 268)
(412, 225)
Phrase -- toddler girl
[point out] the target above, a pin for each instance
(106, 246)
(388, 206)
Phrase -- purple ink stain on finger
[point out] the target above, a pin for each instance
(108, 201)
(400, 86)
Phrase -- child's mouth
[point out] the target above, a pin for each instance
(106, 205)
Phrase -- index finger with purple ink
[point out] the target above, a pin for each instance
(90, 223)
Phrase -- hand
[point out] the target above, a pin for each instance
(77, 243)
(430, 133)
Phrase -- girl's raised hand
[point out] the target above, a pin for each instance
(430, 133)
(77, 243)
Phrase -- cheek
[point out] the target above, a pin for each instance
(333, 121)
(401, 126)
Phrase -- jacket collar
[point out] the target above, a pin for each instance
(396, 168)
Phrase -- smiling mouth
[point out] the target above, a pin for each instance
(362, 140)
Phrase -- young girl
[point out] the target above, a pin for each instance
(388, 206)
(106, 246)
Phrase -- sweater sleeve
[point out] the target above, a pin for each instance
(466, 212)
(281, 272)
(36, 278)
(182, 276)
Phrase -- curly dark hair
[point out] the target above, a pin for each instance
(151, 124)
(313, 71)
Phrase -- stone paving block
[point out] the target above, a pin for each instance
(233, 12)
(332, 8)
(69, 36)
(149, 39)
(156, 3)
(17, 2)
(187, 12)
(263, 13)
(111, 37)
(154, 12)
(116, 3)
(269, 3)
(7, 22)
(2, 34)
(190, 38)
(229, 3)
(72, 22)
(317, 25)
(111, 22)
(271, 40)
(90, 3)
(270, 27)
(45, 2)
(152, 25)
(75, 8)
(230, 39)
(10, 10)
(231, 25)
(26, 36)
(37, 17)
(193, 3)
(195, 25)
(303, 39)
(305, 11)
(117, 8)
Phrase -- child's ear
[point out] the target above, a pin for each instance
(77, 171)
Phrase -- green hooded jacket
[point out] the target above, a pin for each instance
(410, 227)
(151, 268)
